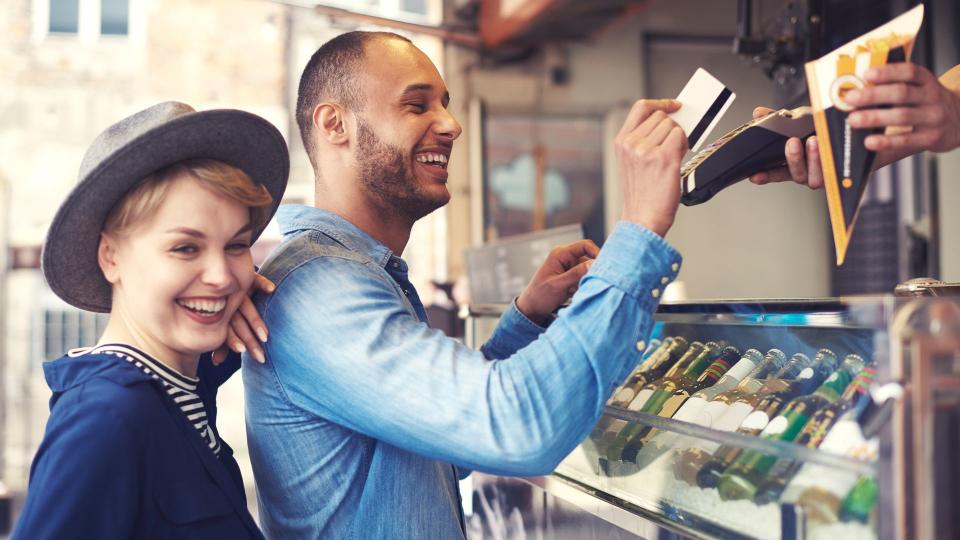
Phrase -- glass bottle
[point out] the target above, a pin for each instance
(855, 400)
(752, 368)
(741, 478)
(727, 411)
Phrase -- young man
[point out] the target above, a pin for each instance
(362, 414)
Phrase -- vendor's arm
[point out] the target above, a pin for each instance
(920, 113)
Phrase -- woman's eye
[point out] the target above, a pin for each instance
(238, 247)
(185, 249)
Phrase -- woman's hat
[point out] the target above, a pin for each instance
(130, 150)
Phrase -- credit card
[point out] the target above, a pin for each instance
(703, 101)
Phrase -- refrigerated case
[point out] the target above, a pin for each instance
(900, 482)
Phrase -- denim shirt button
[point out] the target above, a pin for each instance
(641, 346)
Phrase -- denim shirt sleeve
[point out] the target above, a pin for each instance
(513, 332)
(344, 347)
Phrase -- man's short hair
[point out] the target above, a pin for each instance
(332, 74)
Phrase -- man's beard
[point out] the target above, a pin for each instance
(389, 178)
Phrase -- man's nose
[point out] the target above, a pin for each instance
(448, 126)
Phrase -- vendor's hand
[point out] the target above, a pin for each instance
(921, 112)
(246, 325)
(649, 148)
(556, 280)
(803, 164)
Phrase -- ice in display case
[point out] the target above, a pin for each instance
(832, 418)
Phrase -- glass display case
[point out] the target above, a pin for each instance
(777, 419)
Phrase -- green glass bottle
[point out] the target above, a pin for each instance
(766, 405)
(859, 503)
(671, 396)
(751, 366)
(697, 358)
(741, 478)
(655, 348)
(664, 358)
(728, 409)
(855, 400)
(617, 425)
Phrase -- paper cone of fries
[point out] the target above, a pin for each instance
(846, 162)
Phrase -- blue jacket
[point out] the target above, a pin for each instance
(120, 460)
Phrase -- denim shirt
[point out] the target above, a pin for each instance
(361, 412)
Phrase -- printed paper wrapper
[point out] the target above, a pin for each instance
(846, 162)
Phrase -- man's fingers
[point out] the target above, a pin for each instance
(902, 141)
(243, 335)
(898, 72)
(573, 253)
(659, 133)
(571, 278)
(897, 116)
(642, 109)
(796, 160)
(761, 112)
(814, 168)
(899, 93)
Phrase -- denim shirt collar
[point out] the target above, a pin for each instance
(293, 218)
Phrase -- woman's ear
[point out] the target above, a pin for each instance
(107, 258)
(329, 120)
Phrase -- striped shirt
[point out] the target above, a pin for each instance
(181, 389)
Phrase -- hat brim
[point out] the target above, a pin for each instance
(237, 138)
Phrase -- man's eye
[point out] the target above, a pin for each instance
(419, 106)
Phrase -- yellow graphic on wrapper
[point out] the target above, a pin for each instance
(845, 77)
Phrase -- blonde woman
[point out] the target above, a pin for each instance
(157, 233)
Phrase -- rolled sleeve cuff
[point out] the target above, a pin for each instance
(638, 262)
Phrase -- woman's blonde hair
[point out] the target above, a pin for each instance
(144, 199)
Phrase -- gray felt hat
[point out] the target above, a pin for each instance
(130, 150)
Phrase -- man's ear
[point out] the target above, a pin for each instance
(107, 258)
(329, 119)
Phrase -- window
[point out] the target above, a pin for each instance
(114, 15)
(88, 20)
(414, 6)
(542, 172)
(65, 16)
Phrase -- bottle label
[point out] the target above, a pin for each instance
(624, 395)
(741, 369)
(776, 426)
(844, 439)
(693, 412)
(673, 403)
(734, 415)
(755, 421)
(787, 426)
(641, 398)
